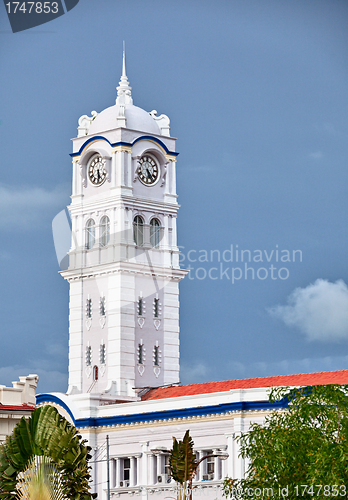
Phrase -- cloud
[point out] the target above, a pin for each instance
(288, 366)
(26, 208)
(193, 374)
(317, 155)
(319, 311)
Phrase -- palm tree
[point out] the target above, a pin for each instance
(183, 466)
(40, 481)
(44, 459)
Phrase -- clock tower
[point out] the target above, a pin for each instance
(124, 261)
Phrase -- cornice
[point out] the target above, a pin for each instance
(224, 411)
(124, 144)
(167, 273)
(123, 201)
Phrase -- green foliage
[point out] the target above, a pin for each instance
(306, 444)
(47, 434)
(41, 480)
(183, 464)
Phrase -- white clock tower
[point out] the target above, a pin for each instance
(124, 261)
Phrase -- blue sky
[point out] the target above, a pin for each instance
(256, 94)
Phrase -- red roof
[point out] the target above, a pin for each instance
(302, 379)
(16, 408)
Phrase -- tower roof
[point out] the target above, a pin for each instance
(124, 113)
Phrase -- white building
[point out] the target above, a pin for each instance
(16, 402)
(124, 316)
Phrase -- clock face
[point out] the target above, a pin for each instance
(148, 170)
(96, 170)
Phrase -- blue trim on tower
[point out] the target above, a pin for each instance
(49, 398)
(158, 141)
(164, 414)
(141, 138)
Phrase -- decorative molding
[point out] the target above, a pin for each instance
(151, 138)
(157, 323)
(83, 174)
(141, 369)
(170, 157)
(136, 170)
(84, 124)
(164, 173)
(163, 122)
(122, 149)
(88, 323)
(157, 371)
(141, 321)
(88, 371)
(102, 369)
(102, 321)
(107, 168)
(164, 417)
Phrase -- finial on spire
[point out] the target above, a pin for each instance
(124, 94)
(124, 60)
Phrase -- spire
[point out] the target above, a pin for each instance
(124, 95)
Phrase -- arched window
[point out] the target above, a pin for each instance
(138, 231)
(154, 233)
(95, 373)
(90, 233)
(104, 231)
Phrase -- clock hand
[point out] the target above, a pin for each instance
(148, 174)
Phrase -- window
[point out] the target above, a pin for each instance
(138, 231)
(140, 306)
(95, 373)
(102, 306)
(90, 234)
(89, 308)
(154, 233)
(126, 469)
(140, 354)
(88, 355)
(155, 308)
(210, 463)
(104, 231)
(102, 354)
(167, 468)
(156, 356)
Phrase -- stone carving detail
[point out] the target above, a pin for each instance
(164, 173)
(162, 121)
(88, 323)
(84, 124)
(102, 369)
(157, 371)
(157, 323)
(137, 158)
(102, 321)
(141, 322)
(83, 174)
(88, 371)
(141, 369)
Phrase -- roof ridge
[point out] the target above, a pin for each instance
(201, 388)
(256, 378)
